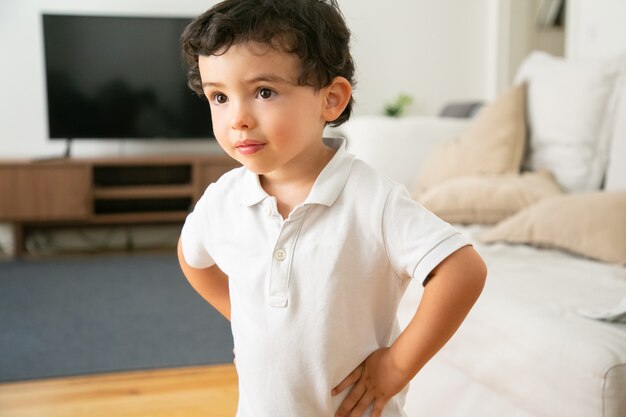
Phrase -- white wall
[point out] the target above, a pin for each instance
(595, 28)
(433, 50)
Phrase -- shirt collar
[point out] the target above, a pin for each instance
(252, 193)
(327, 186)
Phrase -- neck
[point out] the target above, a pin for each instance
(292, 186)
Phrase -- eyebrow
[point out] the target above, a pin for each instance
(259, 78)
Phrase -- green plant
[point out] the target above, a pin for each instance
(397, 107)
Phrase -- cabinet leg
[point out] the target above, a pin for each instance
(19, 240)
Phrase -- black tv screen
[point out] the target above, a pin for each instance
(119, 78)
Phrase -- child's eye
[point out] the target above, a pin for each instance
(218, 98)
(265, 93)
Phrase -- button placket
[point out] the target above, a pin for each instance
(282, 257)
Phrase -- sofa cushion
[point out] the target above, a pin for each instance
(398, 147)
(492, 144)
(569, 117)
(487, 199)
(589, 224)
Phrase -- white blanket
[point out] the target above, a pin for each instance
(615, 313)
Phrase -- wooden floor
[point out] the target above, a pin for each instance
(205, 391)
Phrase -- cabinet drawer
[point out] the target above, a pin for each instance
(40, 192)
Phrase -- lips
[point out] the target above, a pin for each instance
(249, 146)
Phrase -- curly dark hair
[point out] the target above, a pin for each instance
(313, 30)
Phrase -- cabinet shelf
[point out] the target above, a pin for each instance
(141, 218)
(154, 191)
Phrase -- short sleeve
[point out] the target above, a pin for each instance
(416, 240)
(195, 237)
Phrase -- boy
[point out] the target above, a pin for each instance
(306, 249)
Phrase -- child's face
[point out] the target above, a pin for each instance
(261, 116)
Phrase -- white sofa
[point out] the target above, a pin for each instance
(526, 349)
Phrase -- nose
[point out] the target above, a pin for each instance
(241, 116)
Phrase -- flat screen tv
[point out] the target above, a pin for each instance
(119, 78)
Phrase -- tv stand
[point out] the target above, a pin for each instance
(75, 192)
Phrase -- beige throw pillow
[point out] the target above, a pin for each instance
(589, 224)
(493, 144)
(487, 199)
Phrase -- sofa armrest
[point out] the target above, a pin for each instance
(398, 147)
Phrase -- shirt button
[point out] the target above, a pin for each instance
(280, 255)
(268, 211)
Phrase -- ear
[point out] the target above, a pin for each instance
(336, 98)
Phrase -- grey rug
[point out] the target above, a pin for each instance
(104, 314)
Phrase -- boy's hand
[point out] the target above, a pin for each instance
(375, 381)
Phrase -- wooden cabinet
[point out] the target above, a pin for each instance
(103, 191)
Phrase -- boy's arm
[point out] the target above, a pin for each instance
(211, 283)
(450, 292)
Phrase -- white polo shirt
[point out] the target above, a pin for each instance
(313, 295)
